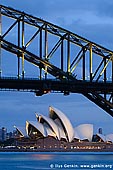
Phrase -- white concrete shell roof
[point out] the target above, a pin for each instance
(84, 131)
(50, 132)
(76, 136)
(103, 137)
(66, 124)
(106, 138)
(36, 125)
(109, 137)
(50, 123)
(62, 134)
(22, 131)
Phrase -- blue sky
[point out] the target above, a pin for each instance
(90, 19)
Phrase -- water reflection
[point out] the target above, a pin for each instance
(27, 161)
(42, 156)
(71, 157)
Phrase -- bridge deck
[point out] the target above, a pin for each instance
(72, 86)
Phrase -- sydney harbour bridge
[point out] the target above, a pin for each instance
(63, 62)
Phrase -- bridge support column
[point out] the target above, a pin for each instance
(68, 55)
(18, 46)
(91, 71)
(105, 77)
(23, 48)
(40, 53)
(83, 74)
(46, 50)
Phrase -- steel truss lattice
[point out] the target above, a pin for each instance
(78, 65)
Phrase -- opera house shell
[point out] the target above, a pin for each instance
(105, 138)
(84, 132)
(21, 131)
(56, 125)
(63, 123)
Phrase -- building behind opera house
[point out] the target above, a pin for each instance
(57, 132)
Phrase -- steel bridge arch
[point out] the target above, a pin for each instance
(95, 86)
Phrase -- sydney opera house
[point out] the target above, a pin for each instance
(57, 132)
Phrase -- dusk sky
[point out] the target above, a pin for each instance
(92, 20)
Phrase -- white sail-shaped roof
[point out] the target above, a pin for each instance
(103, 137)
(109, 137)
(60, 129)
(65, 122)
(62, 134)
(50, 132)
(49, 122)
(76, 136)
(36, 125)
(84, 131)
(21, 130)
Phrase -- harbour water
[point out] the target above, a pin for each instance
(55, 160)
